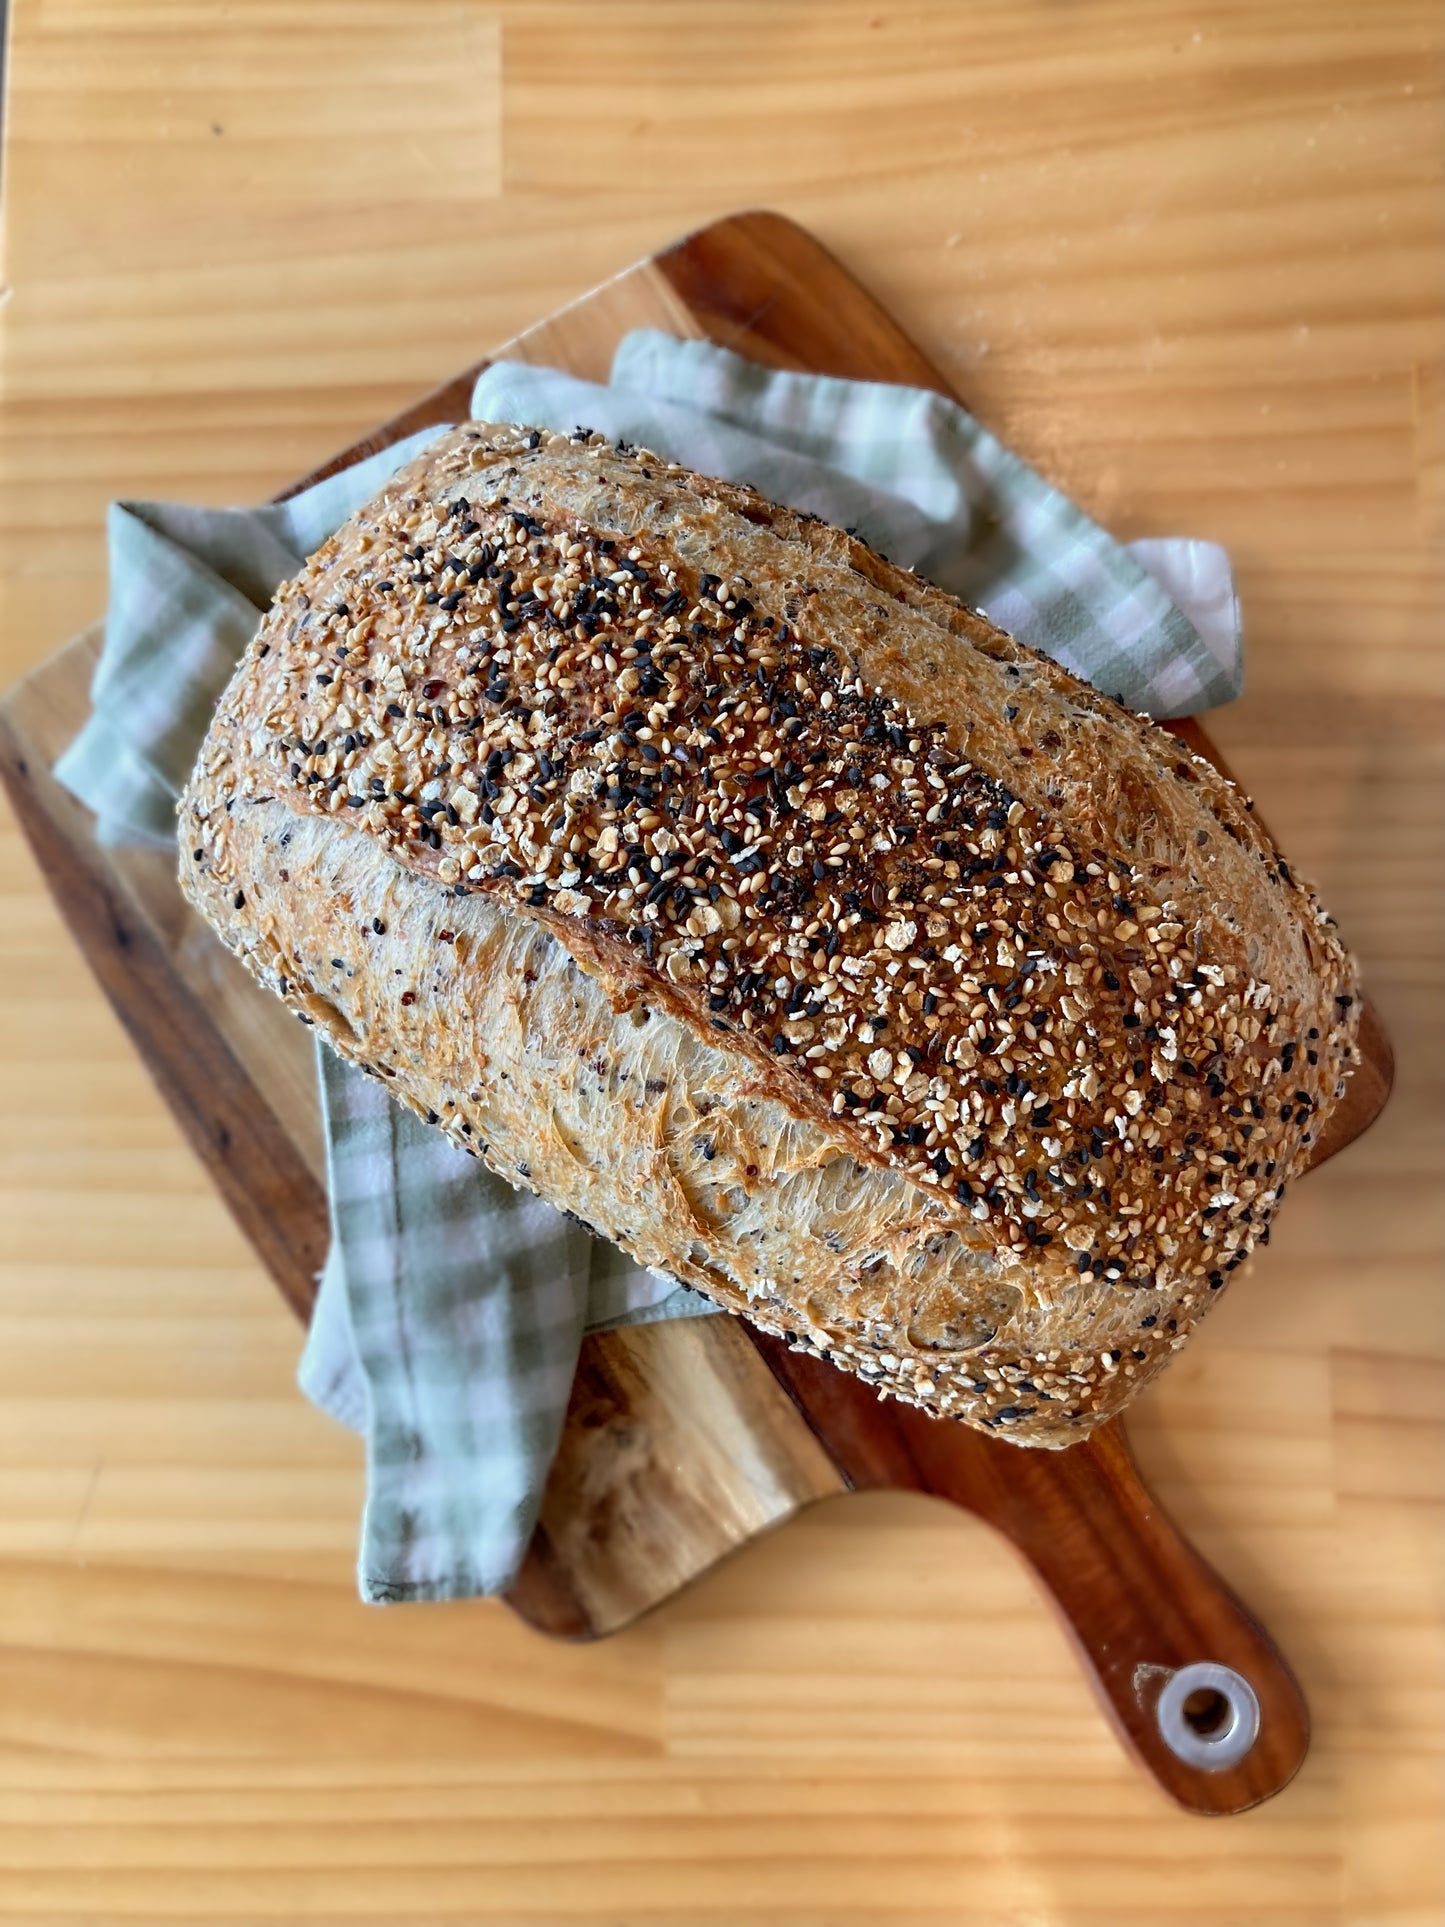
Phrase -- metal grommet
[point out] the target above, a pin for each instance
(1222, 1723)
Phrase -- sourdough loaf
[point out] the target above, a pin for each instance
(778, 916)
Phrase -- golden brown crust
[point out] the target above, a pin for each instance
(971, 923)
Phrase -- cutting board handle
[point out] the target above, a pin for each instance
(1195, 1686)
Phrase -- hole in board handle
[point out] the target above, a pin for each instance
(1208, 1715)
(1207, 1711)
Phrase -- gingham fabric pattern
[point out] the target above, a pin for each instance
(187, 589)
(452, 1308)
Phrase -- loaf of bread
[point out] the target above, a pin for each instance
(775, 914)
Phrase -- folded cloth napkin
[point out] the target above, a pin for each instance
(452, 1308)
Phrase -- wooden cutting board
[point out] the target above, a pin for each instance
(683, 1440)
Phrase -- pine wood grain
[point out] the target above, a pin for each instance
(1196, 280)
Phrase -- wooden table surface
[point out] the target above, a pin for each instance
(1189, 260)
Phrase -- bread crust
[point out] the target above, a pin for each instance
(984, 1026)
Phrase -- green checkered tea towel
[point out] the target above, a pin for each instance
(451, 1307)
